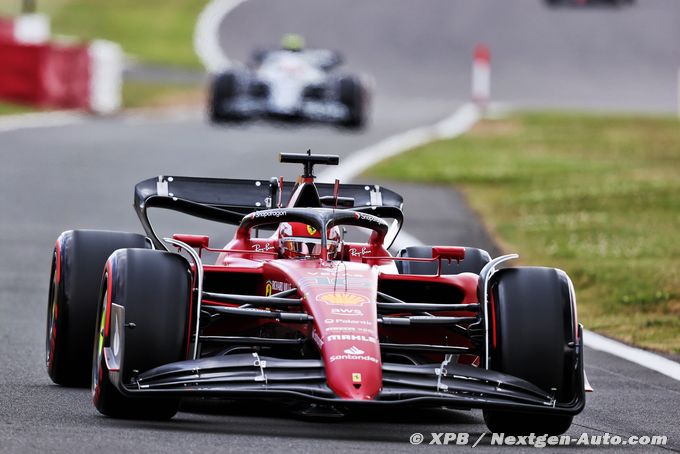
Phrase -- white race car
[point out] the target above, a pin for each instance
(293, 85)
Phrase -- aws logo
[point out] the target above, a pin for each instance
(342, 298)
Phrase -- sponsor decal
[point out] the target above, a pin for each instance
(369, 358)
(354, 351)
(311, 230)
(335, 281)
(366, 217)
(346, 311)
(276, 286)
(356, 377)
(354, 252)
(268, 214)
(350, 329)
(260, 248)
(281, 286)
(342, 298)
(351, 337)
(347, 321)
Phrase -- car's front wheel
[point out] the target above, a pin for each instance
(154, 289)
(533, 335)
(223, 91)
(354, 96)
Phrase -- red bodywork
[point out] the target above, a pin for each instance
(341, 297)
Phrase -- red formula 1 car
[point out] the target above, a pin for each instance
(305, 315)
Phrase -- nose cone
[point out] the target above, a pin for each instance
(353, 367)
(343, 304)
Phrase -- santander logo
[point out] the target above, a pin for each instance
(354, 351)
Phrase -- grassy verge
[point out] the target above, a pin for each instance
(598, 196)
(8, 108)
(147, 94)
(155, 31)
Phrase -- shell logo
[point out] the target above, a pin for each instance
(342, 298)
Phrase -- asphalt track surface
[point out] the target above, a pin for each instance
(81, 176)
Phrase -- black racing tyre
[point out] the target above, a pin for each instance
(77, 263)
(154, 287)
(474, 261)
(224, 88)
(533, 337)
(353, 96)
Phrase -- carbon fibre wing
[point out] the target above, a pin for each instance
(228, 200)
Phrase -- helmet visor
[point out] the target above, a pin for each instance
(308, 247)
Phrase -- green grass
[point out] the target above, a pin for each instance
(8, 108)
(155, 31)
(147, 94)
(598, 196)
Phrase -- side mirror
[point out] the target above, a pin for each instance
(195, 241)
(448, 253)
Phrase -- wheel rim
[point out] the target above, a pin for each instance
(52, 314)
(99, 346)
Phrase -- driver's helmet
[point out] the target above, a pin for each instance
(298, 240)
(292, 42)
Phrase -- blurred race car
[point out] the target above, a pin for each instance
(291, 83)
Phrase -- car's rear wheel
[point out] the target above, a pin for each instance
(224, 89)
(474, 261)
(533, 337)
(77, 262)
(154, 288)
(353, 96)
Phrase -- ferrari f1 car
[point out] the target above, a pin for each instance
(305, 316)
(291, 85)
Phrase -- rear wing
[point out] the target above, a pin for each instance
(228, 200)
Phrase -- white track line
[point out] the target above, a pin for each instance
(461, 120)
(458, 123)
(10, 123)
(635, 355)
(207, 34)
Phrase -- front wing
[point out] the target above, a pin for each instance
(323, 110)
(252, 376)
